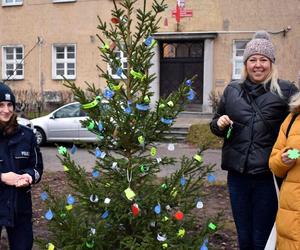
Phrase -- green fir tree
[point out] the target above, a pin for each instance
(122, 204)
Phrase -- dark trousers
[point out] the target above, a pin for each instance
(254, 206)
(20, 236)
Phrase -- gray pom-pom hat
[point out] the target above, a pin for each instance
(260, 44)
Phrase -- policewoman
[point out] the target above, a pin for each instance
(21, 166)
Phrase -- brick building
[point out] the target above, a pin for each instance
(47, 38)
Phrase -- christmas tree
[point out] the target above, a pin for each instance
(122, 204)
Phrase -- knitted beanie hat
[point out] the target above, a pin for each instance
(260, 44)
(6, 95)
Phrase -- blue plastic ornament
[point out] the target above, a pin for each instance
(104, 215)
(108, 94)
(211, 178)
(128, 110)
(188, 82)
(157, 209)
(100, 126)
(44, 196)
(204, 245)
(119, 72)
(191, 95)
(70, 199)
(73, 149)
(182, 181)
(49, 215)
(166, 121)
(96, 173)
(98, 153)
(148, 41)
(142, 107)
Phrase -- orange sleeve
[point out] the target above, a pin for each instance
(276, 165)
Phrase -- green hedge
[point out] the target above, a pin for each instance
(200, 134)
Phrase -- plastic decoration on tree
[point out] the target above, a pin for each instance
(122, 199)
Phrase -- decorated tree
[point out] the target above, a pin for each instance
(122, 204)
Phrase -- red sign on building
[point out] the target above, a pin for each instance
(183, 13)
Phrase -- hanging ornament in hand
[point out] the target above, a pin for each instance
(229, 131)
(293, 154)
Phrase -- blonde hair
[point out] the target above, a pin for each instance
(273, 77)
(295, 103)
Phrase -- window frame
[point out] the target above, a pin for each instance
(123, 60)
(65, 61)
(13, 61)
(14, 3)
(236, 59)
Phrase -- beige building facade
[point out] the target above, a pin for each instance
(41, 39)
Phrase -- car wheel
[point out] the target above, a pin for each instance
(40, 136)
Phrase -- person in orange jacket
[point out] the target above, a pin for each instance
(284, 163)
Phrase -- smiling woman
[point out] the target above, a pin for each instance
(21, 166)
(248, 117)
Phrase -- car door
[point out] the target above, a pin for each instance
(64, 123)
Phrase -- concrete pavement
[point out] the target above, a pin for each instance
(86, 160)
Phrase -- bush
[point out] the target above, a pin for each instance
(200, 134)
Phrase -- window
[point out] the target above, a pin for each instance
(12, 62)
(122, 57)
(183, 50)
(72, 110)
(11, 2)
(238, 51)
(64, 61)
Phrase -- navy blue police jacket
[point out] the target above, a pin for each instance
(20, 154)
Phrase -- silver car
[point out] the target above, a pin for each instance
(63, 124)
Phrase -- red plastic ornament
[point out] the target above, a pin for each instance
(115, 20)
(179, 215)
(135, 209)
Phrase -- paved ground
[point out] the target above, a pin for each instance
(86, 160)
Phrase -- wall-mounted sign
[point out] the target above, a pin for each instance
(183, 13)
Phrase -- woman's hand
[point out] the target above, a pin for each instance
(286, 160)
(10, 178)
(13, 179)
(224, 121)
